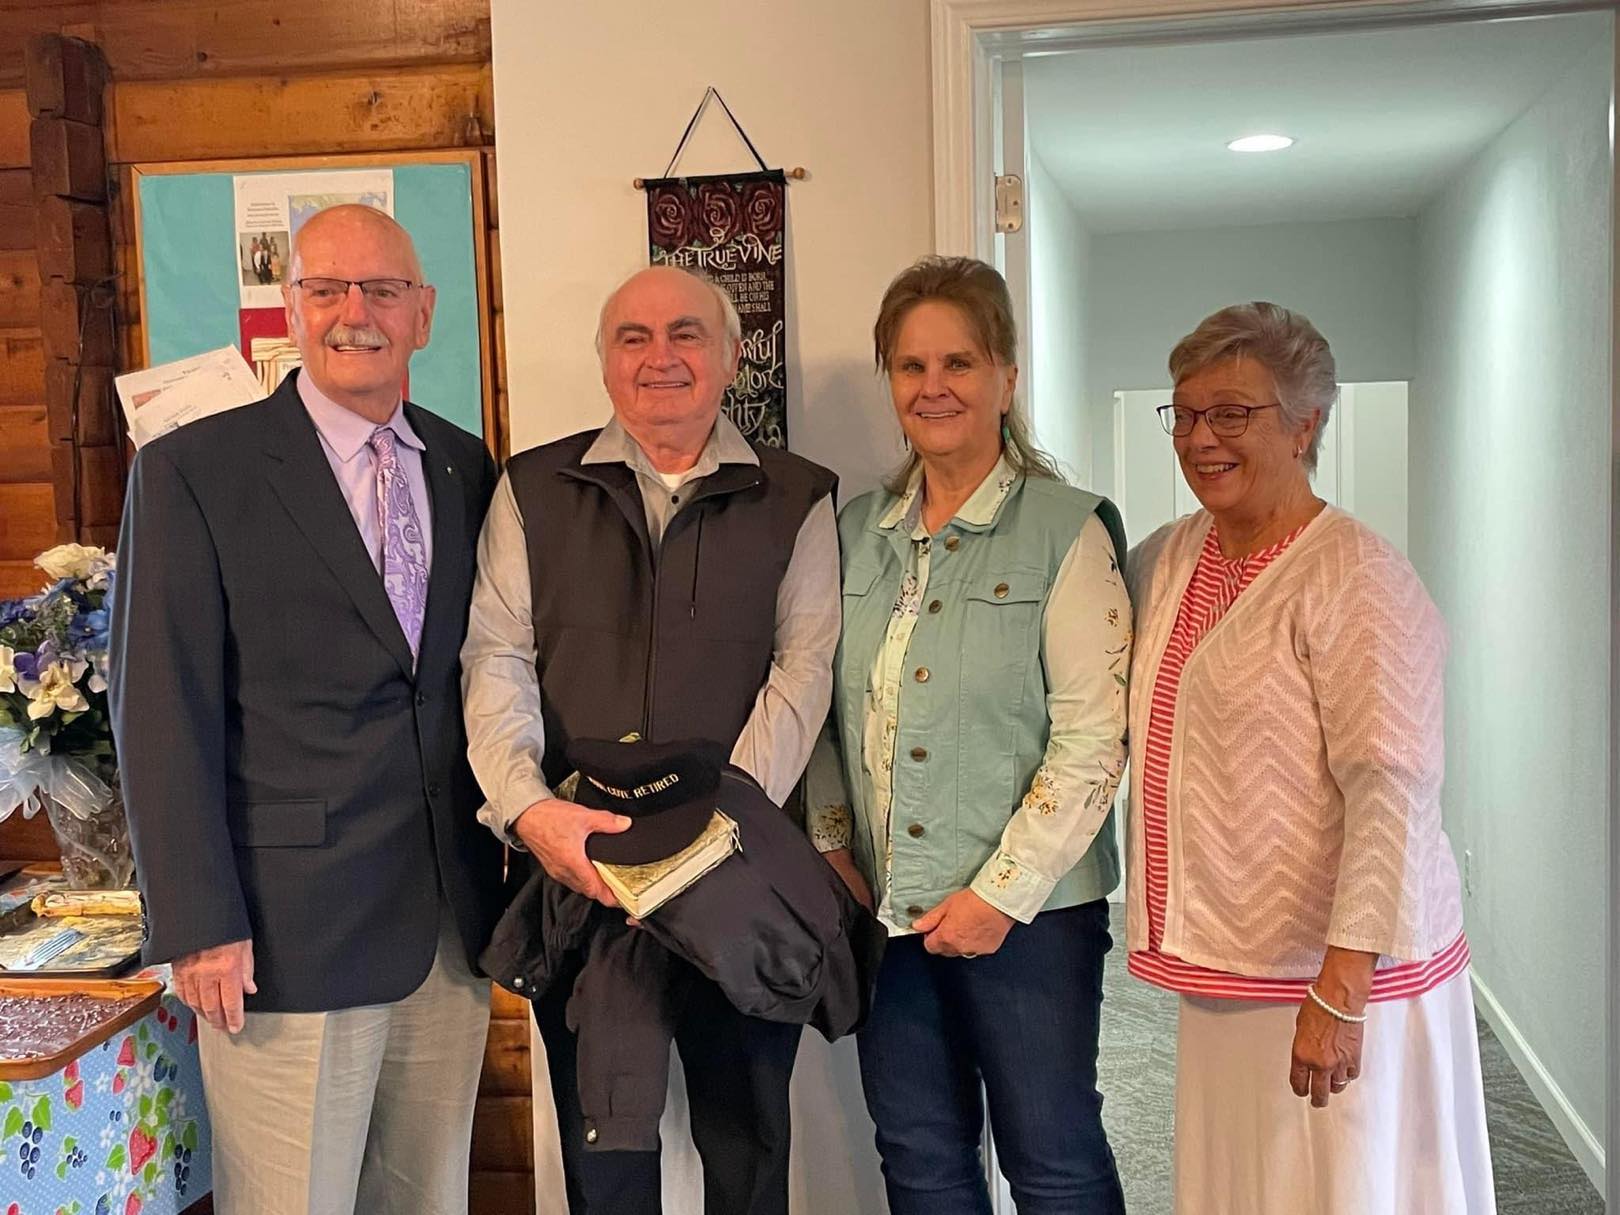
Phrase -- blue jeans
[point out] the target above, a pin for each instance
(1023, 1021)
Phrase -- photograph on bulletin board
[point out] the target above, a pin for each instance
(215, 245)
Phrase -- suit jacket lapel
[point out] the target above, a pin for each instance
(302, 479)
(451, 574)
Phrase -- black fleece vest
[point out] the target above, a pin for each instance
(669, 644)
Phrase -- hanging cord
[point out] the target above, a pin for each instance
(796, 174)
(711, 91)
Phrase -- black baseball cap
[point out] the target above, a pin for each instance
(668, 789)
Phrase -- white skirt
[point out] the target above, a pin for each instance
(1407, 1138)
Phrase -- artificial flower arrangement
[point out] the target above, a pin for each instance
(56, 744)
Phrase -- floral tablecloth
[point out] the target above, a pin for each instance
(122, 1130)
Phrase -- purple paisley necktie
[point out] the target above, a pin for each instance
(404, 555)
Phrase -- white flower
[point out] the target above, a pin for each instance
(56, 690)
(71, 560)
(8, 669)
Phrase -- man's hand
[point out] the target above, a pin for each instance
(211, 982)
(963, 926)
(843, 862)
(555, 832)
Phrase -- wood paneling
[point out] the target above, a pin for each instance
(67, 158)
(74, 243)
(166, 39)
(27, 520)
(501, 1194)
(16, 209)
(506, 1056)
(98, 408)
(19, 578)
(65, 78)
(447, 106)
(502, 1135)
(28, 839)
(25, 453)
(77, 324)
(14, 119)
(19, 289)
(22, 365)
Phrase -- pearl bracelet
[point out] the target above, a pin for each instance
(1335, 1013)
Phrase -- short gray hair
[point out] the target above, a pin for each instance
(730, 322)
(1284, 343)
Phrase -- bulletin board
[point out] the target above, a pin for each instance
(205, 284)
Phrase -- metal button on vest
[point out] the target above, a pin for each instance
(1001, 590)
(951, 543)
(919, 753)
(934, 606)
(517, 981)
(590, 1135)
(922, 674)
(916, 831)
(914, 911)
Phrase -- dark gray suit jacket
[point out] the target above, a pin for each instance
(288, 776)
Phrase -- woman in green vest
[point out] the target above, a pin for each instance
(964, 783)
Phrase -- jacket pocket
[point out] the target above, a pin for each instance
(1001, 630)
(290, 824)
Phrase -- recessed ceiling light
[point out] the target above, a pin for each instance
(1261, 143)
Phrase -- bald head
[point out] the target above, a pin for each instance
(653, 277)
(338, 226)
(357, 307)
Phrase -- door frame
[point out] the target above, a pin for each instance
(970, 37)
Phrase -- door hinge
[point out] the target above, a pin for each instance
(1009, 203)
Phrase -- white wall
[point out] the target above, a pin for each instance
(1510, 523)
(1059, 284)
(1354, 279)
(589, 96)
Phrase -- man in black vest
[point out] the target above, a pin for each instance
(660, 577)
(291, 598)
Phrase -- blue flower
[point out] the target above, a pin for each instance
(89, 627)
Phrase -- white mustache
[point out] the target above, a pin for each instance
(368, 336)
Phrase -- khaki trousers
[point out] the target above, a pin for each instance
(361, 1110)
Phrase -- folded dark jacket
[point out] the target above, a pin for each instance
(773, 925)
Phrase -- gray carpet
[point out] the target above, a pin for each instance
(1535, 1173)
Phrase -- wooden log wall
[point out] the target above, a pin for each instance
(205, 80)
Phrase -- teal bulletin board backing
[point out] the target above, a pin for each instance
(189, 272)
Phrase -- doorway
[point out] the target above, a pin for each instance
(1445, 218)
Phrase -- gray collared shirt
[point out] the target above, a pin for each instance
(501, 691)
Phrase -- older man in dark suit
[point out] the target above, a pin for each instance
(293, 591)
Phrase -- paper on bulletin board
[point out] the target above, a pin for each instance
(159, 399)
(271, 207)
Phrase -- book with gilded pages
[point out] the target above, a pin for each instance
(642, 889)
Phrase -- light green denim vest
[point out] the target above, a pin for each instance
(980, 713)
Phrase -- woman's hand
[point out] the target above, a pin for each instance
(963, 926)
(1327, 1051)
(843, 862)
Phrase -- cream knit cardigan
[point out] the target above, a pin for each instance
(1305, 761)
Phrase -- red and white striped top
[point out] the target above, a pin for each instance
(1215, 585)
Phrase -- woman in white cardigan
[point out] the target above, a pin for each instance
(1288, 875)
